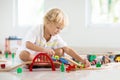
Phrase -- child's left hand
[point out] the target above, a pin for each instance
(86, 63)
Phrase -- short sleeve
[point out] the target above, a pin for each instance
(31, 35)
(60, 43)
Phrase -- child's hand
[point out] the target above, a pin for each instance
(86, 63)
(49, 51)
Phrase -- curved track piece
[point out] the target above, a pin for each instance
(19, 65)
(42, 58)
(71, 61)
(12, 68)
(3, 60)
(89, 68)
(103, 54)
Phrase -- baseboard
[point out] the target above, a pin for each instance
(87, 50)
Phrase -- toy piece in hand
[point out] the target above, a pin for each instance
(117, 58)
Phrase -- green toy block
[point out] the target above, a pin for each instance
(62, 67)
(19, 70)
(92, 57)
(98, 64)
(13, 55)
(6, 55)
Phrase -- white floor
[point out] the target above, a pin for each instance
(48, 74)
(112, 74)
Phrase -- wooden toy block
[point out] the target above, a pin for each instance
(91, 57)
(98, 64)
(19, 70)
(56, 57)
(3, 66)
(62, 68)
(117, 58)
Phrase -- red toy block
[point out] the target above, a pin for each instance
(70, 68)
(2, 66)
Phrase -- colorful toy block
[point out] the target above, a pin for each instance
(91, 57)
(3, 66)
(117, 58)
(82, 65)
(19, 70)
(68, 69)
(56, 57)
(62, 67)
(71, 68)
(13, 55)
(62, 60)
(6, 55)
(53, 59)
(98, 64)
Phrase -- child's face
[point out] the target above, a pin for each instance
(54, 29)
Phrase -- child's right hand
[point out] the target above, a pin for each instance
(86, 63)
(49, 51)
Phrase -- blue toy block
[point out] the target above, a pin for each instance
(63, 61)
(53, 59)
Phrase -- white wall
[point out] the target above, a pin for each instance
(5, 19)
(6, 22)
(76, 34)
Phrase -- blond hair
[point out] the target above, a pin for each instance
(55, 16)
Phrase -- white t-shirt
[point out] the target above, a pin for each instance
(35, 35)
